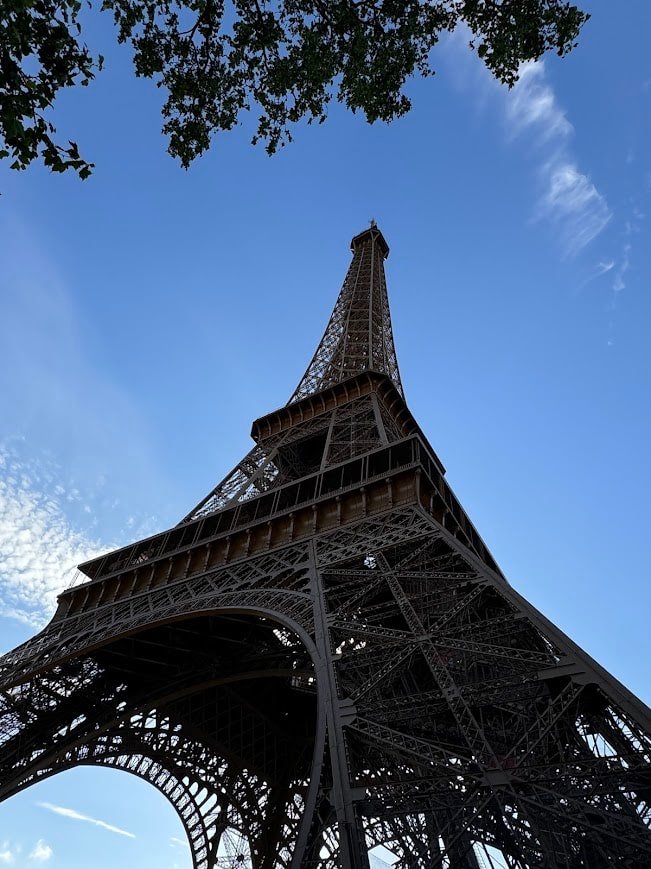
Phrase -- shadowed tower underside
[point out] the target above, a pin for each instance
(323, 658)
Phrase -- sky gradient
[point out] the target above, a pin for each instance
(149, 314)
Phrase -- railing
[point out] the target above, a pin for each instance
(376, 465)
(341, 478)
(78, 577)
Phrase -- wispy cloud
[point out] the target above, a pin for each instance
(39, 548)
(620, 273)
(179, 843)
(573, 204)
(48, 527)
(619, 282)
(59, 410)
(598, 270)
(603, 267)
(9, 851)
(78, 816)
(568, 199)
(58, 398)
(41, 852)
(532, 103)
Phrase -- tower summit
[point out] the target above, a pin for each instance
(323, 658)
(358, 336)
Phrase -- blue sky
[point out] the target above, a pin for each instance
(148, 315)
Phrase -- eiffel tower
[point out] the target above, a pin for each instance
(322, 665)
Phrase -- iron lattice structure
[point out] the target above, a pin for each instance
(323, 657)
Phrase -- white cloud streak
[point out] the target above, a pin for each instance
(603, 267)
(532, 103)
(41, 852)
(569, 200)
(618, 281)
(78, 816)
(6, 854)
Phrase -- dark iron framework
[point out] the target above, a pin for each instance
(323, 657)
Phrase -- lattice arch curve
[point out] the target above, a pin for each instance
(178, 788)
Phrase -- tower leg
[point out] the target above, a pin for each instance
(353, 853)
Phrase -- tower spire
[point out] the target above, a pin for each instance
(358, 336)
